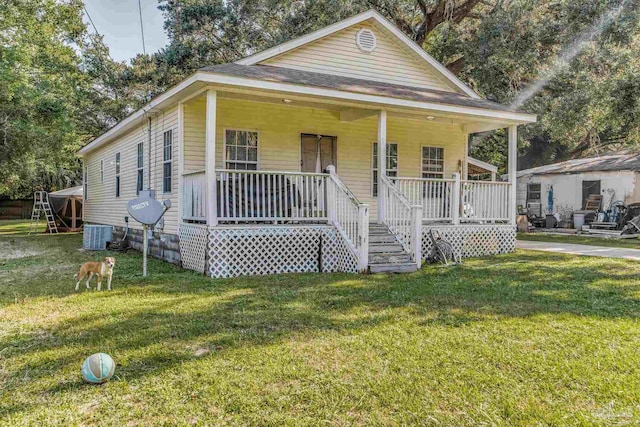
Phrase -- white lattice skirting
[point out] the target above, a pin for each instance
(473, 240)
(259, 250)
(193, 246)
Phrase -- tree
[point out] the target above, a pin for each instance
(580, 65)
(39, 80)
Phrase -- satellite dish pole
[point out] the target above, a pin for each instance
(148, 211)
(145, 249)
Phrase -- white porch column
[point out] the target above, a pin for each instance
(382, 163)
(210, 157)
(513, 166)
(455, 199)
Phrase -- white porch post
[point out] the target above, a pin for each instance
(210, 158)
(331, 196)
(382, 163)
(363, 237)
(513, 165)
(455, 199)
(416, 233)
(181, 190)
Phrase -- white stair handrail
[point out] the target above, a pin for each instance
(350, 217)
(403, 219)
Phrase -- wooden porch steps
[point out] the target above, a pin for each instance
(386, 254)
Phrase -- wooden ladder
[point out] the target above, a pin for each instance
(41, 204)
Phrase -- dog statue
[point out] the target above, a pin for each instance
(100, 269)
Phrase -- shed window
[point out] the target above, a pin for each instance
(167, 156)
(140, 174)
(117, 174)
(433, 162)
(101, 171)
(241, 149)
(392, 165)
(533, 192)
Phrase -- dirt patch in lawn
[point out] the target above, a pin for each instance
(9, 251)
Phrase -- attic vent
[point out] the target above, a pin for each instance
(366, 40)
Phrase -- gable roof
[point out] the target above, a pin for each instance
(349, 84)
(607, 163)
(370, 15)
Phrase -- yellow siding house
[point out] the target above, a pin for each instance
(342, 150)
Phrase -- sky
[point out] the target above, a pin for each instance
(119, 22)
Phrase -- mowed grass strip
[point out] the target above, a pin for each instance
(632, 243)
(521, 339)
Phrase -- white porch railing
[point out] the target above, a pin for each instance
(194, 202)
(262, 196)
(436, 196)
(485, 201)
(453, 200)
(349, 216)
(403, 218)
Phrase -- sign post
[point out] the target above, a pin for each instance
(148, 211)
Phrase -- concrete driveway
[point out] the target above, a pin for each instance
(587, 250)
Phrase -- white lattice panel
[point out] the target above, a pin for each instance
(193, 246)
(238, 251)
(473, 240)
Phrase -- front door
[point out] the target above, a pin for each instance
(318, 152)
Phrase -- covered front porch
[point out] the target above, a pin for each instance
(274, 184)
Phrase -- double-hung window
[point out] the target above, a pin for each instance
(392, 165)
(85, 182)
(433, 162)
(167, 156)
(140, 174)
(241, 149)
(117, 174)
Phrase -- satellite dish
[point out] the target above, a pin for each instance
(147, 210)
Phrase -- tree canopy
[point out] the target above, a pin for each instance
(575, 64)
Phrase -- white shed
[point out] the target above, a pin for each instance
(614, 176)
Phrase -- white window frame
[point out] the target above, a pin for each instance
(85, 183)
(101, 171)
(374, 165)
(139, 169)
(166, 161)
(225, 160)
(423, 172)
(118, 181)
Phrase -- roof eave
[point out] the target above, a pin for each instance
(219, 78)
(125, 124)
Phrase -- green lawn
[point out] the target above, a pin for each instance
(580, 239)
(17, 227)
(522, 339)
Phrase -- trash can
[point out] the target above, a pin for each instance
(578, 220)
(550, 221)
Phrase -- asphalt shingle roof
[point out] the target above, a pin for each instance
(348, 84)
(610, 162)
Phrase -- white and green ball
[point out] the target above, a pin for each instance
(98, 368)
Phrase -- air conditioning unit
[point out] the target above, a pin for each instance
(95, 237)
